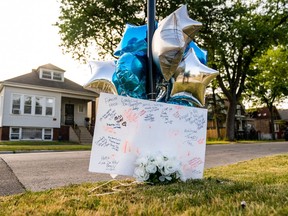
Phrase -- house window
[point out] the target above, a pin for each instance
(57, 76)
(47, 134)
(46, 75)
(27, 104)
(16, 104)
(39, 104)
(276, 127)
(32, 105)
(32, 133)
(80, 108)
(49, 106)
(52, 75)
(14, 133)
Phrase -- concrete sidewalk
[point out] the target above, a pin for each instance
(9, 183)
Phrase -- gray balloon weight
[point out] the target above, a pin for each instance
(192, 78)
(170, 40)
(101, 80)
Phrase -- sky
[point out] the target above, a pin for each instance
(28, 39)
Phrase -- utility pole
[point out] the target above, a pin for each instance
(151, 10)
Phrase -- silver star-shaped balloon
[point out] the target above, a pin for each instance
(192, 78)
(170, 40)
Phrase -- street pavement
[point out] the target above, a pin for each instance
(45, 170)
(9, 183)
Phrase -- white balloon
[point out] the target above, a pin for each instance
(101, 80)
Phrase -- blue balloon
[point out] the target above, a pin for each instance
(129, 77)
(200, 53)
(184, 100)
(133, 40)
(180, 102)
(115, 80)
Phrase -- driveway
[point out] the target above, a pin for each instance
(41, 171)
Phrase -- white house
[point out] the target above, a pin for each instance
(44, 105)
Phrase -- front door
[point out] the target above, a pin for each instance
(69, 114)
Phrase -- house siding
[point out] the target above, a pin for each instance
(262, 126)
(1, 108)
(23, 120)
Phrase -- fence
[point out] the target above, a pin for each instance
(212, 133)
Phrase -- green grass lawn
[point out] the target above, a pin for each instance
(26, 146)
(18, 146)
(261, 183)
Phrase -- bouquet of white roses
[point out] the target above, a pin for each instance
(158, 168)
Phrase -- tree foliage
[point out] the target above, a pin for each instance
(270, 84)
(237, 33)
(234, 32)
(100, 24)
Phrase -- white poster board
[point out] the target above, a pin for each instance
(128, 127)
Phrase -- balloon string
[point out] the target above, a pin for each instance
(153, 96)
(114, 189)
(101, 185)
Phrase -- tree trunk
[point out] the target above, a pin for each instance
(271, 109)
(230, 122)
(218, 128)
(215, 117)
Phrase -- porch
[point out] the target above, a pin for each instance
(77, 120)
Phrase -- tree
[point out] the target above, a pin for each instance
(270, 85)
(217, 112)
(234, 36)
(217, 109)
(233, 32)
(100, 24)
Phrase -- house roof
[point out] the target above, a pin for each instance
(283, 114)
(32, 79)
(264, 113)
(50, 67)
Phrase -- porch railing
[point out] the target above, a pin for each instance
(77, 130)
(90, 129)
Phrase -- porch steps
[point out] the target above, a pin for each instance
(85, 136)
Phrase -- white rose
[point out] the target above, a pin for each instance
(151, 168)
(140, 174)
(159, 161)
(141, 161)
(170, 167)
(162, 178)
